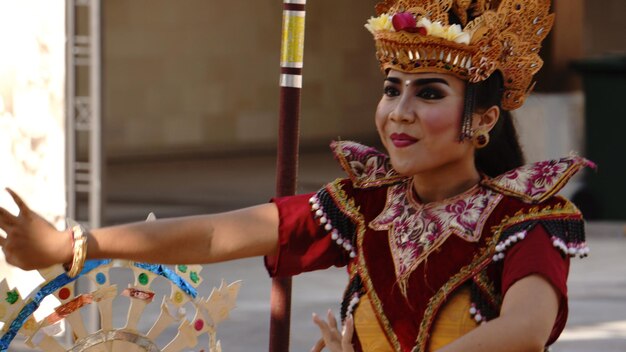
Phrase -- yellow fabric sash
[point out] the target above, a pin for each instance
(452, 322)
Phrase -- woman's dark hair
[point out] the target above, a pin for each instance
(503, 153)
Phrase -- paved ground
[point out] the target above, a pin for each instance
(597, 284)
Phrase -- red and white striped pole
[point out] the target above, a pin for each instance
(291, 63)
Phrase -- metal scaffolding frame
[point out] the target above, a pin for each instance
(84, 110)
(84, 119)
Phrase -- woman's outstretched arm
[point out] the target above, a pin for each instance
(33, 243)
(212, 238)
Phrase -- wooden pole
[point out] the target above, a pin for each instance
(291, 62)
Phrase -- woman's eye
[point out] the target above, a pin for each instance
(430, 94)
(391, 91)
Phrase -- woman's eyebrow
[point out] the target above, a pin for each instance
(424, 81)
(393, 80)
(419, 81)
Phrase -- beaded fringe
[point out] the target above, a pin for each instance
(567, 235)
(333, 221)
(351, 297)
(481, 309)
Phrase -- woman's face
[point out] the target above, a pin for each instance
(419, 121)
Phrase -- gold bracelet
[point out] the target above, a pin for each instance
(79, 250)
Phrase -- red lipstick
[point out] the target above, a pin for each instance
(402, 140)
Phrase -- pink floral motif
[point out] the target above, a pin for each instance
(371, 167)
(415, 229)
(544, 175)
(465, 213)
(535, 182)
(366, 166)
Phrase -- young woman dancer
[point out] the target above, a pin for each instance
(450, 242)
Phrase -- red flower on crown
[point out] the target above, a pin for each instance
(405, 21)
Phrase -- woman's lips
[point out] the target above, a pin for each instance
(402, 140)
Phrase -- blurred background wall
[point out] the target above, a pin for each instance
(201, 75)
(198, 75)
(32, 110)
(604, 26)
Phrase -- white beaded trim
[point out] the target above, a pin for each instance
(353, 302)
(568, 249)
(571, 249)
(475, 313)
(322, 218)
(503, 246)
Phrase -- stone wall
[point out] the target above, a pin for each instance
(32, 78)
(32, 150)
(202, 75)
(604, 27)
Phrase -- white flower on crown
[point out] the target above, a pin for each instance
(457, 35)
(380, 23)
(453, 33)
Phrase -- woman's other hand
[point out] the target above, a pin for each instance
(32, 242)
(331, 337)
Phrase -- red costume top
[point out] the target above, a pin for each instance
(409, 258)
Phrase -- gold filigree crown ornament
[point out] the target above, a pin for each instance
(418, 36)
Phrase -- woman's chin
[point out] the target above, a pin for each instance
(412, 168)
(405, 169)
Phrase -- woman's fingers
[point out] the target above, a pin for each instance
(6, 218)
(319, 346)
(324, 328)
(7, 221)
(348, 331)
(331, 337)
(24, 210)
(332, 322)
(31, 241)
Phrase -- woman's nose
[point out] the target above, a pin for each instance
(403, 113)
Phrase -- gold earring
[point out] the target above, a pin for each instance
(480, 139)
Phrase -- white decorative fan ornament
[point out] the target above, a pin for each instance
(16, 312)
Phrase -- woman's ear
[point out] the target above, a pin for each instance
(485, 120)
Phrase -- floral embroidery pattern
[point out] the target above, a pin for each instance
(416, 229)
(536, 182)
(366, 166)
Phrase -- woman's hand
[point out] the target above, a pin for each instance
(331, 337)
(32, 242)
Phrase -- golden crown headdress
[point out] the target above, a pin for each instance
(418, 36)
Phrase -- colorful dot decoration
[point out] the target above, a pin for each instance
(143, 279)
(101, 279)
(199, 325)
(178, 297)
(194, 277)
(64, 293)
(12, 297)
(30, 324)
(182, 268)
